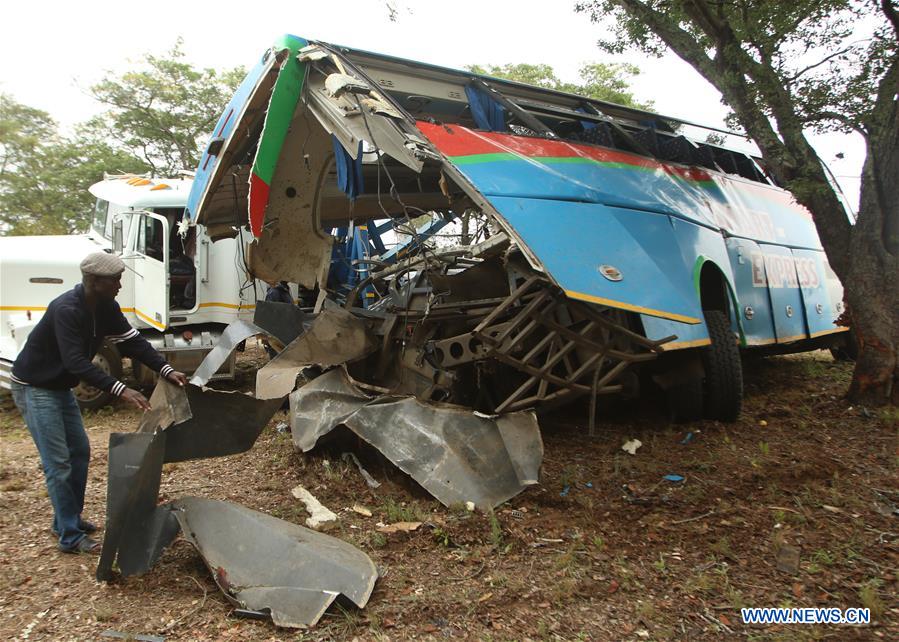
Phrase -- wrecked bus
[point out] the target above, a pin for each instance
(610, 250)
(596, 249)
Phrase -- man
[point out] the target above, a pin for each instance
(278, 292)
(57, 354)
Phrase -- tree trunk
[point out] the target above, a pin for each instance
(872, 280)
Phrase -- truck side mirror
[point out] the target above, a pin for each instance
(118, 241)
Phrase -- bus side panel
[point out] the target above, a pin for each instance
(783, 288)
(577, 241)
(752, 292)
(822, 303)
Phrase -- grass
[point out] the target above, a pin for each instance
(395, 511)
(377, 540)
(496, 529)
(441, 537)
(869, 597)
(660, 565)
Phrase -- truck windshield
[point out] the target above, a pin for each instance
(98, 218)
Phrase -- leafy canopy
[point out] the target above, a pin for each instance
(828, 56)
(163, 111)
(44, 176)
(609, 82)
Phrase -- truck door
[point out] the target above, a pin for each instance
(151, 267)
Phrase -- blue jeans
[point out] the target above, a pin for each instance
(54, 421)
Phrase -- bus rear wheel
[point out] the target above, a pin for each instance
(723, 383)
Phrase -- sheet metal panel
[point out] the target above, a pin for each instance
(752, 291)
(574, 239)
(822, 303)
(783, 288)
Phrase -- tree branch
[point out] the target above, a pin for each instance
(824, 60)
(889, 10)
(819, 116)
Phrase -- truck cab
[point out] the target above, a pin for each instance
(179, 291)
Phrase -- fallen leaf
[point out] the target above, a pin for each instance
(798, 589)
(485, 597)
(362, 510)
(724, 620)
(831, 509)
(399, 527)
(613, 586)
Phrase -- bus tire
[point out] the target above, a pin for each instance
(848, 349)
(723, 387)
(110, 362)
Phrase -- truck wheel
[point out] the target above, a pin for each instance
(110, 362)
(723, 388)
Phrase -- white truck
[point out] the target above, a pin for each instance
(180, 290)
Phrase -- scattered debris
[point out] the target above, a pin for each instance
(433, 443)
(787, 558)
(832, 509)
(248, 614)
(399, 527)
(371, 481)
(318, 514)
(469, 506)
(693, 519)
(137, 637)
(687, 438)
(631, 446)
(282, 428)
(361, 510)
(293, 572)
(763, 423)
(565, 491)
(677, 479)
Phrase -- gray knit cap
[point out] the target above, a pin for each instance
(102, 264)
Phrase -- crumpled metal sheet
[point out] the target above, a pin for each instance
(454, 453)
(235, 333)
(168, 405)
(336, 336)
(137, 530)
(221, 423)
(283, 321)
(263, 563)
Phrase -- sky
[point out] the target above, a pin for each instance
(52, 51)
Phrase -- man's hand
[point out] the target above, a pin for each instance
(136, 399)
(177, 378)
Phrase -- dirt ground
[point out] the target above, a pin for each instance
(604, 548)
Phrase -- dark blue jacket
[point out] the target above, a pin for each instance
(60, 348)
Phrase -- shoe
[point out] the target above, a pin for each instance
(85, 545)
(86, 526)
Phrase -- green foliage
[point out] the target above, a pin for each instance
(44, 175)
(157, 119)
(163, 110)
(827, 55)
(603, 81)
